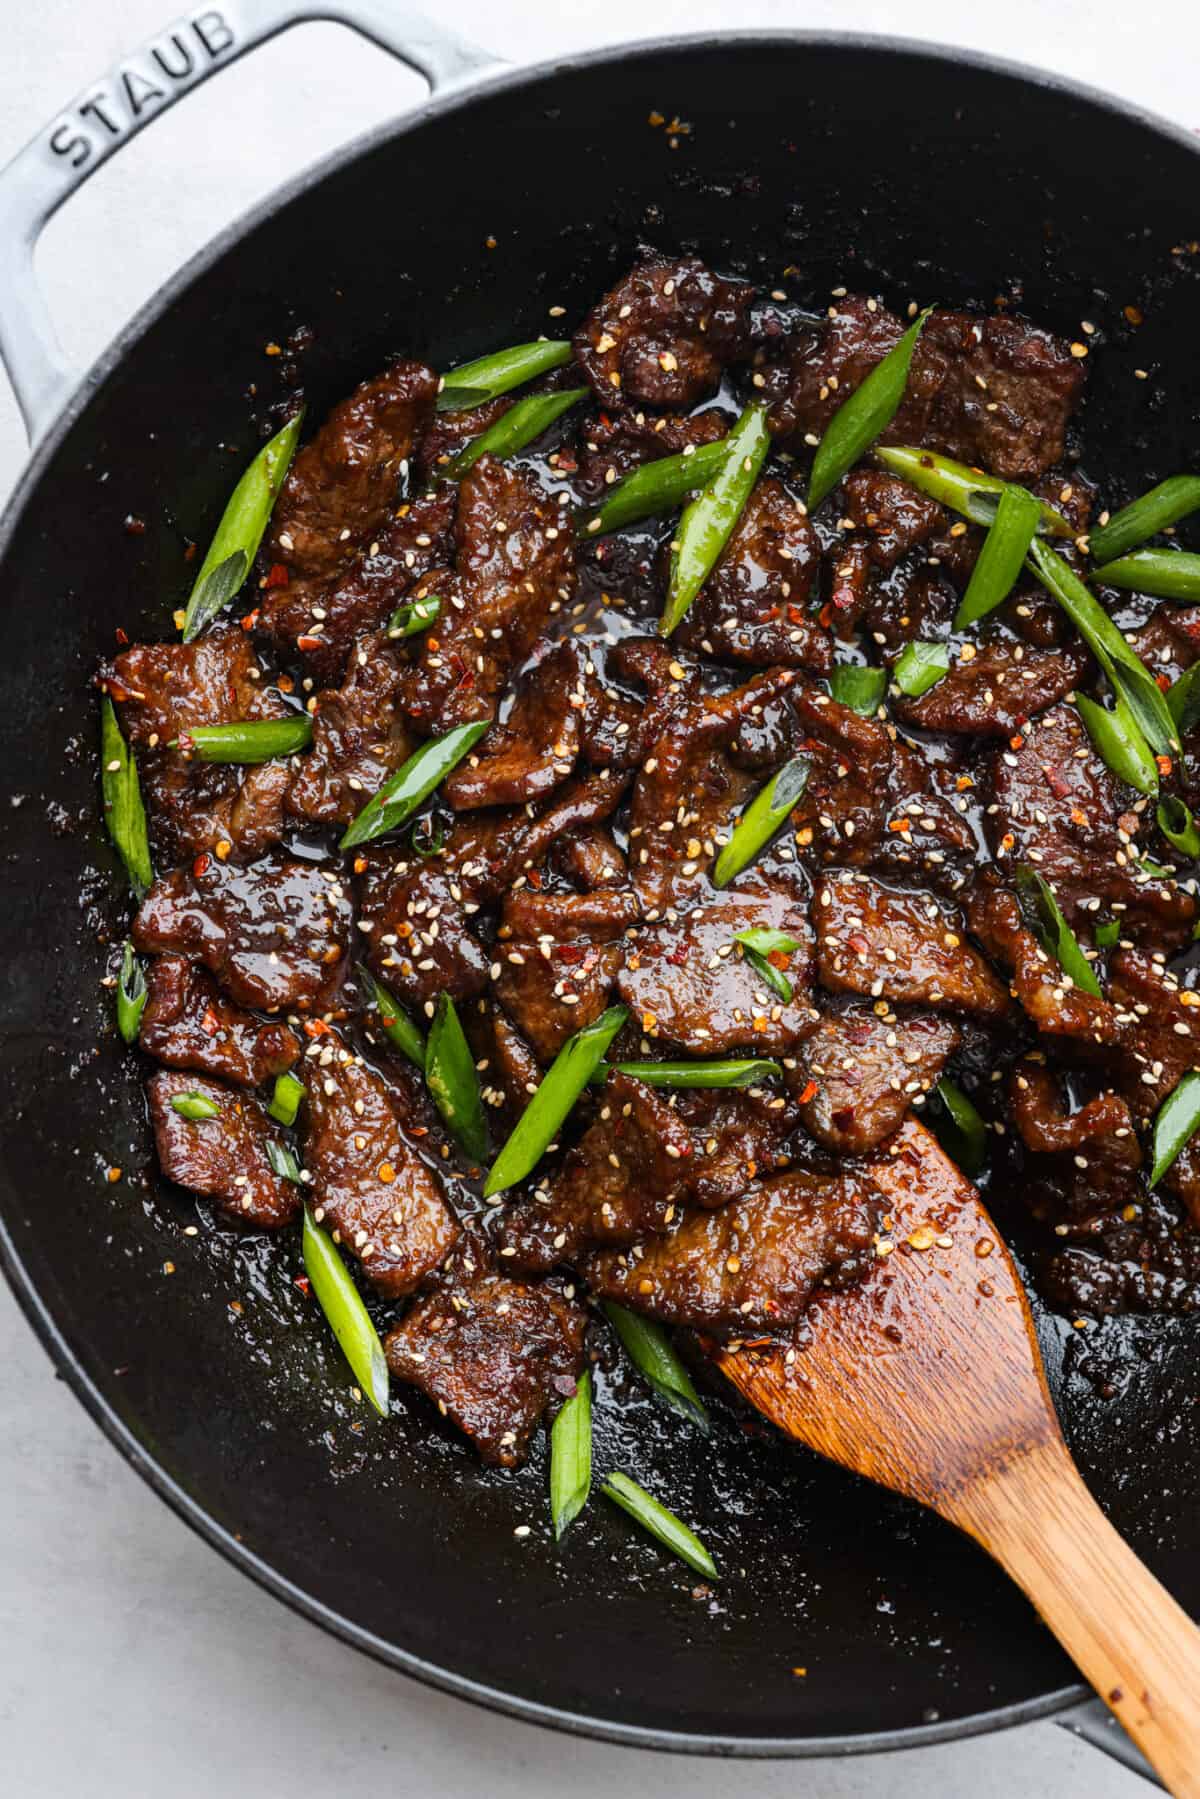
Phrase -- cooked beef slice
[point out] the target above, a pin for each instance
(1169, 641)
(492, 1354)
(755, 1263)
(1161, 1020)
(223, 1157)
(534, 750)
(510, 1070)
(1077, 1281)
(859, 1073)
(647, 685)
(418, 933)
(558, 954)
(359, 739)
(754, 606)
(163, 690)
(1056, 806)
(613, 445)
(892, 516)
(451, 432)
(664, 334)
(993, 392)
(369, 1186)
(514, 567)
(274, 934)
(912, 604)
(688, 984)
(187, 1023)
(592, 860)
(194, 808)
(996, 689)
(1102, 1126)
(905, 947)
(1045, 993)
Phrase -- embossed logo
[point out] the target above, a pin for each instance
(152, 78)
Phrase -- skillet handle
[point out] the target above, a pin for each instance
(1092, 1721)
(106, 114)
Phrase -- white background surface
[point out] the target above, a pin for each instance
(132, 1660)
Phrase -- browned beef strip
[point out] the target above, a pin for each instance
(1102, 1126)
(867, 1071)
(916, 605)
(664, 334)
(755, 1263)
(613, 445)
(687, 983)
(892, 516)
(187, 1023)
(369, 1186)
(1160, 1014)
(618, 727)
(997, 690)
(534, 750)
(420, 938)
(1169, 641)
(592, 860)
(359, 739)
(907, 947)
(558, 954)
(224, 1157)
(274, 934)
(1048, 997)
(754, 606)
(515, 567)
(197, 808)
(1078, 1281)
(492, 1354)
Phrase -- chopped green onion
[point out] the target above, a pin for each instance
(758, 946)
(1129, 676)
(397, 1026)
(571, 1456)
(472, 383)
(427, 843)
(744, 1072)
(194, 1106)
(1053, 932)
(1107, 934)
(342, 1305)
(1164, 505)
(1174, 1124)
(131, 995)
(958, 1127)
(403, 792)
(654, 488)
(1177, 825)
(1183, 700)
(522, 424)
(285, 1101)
(865, 416)
(767, 811)
(414, 616)
(283, 1162)
(670, 1531)
(710, 519)
(652, 1354)
(235, 543)
(964, 490)
(1002, 557)
(862, 689)
(1119, 742)
(919, 667)
(1167, 574)
(121, 795)
(451, 1078)
(560, 1087)
(256, 740)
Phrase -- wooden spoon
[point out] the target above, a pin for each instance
(928, 1379)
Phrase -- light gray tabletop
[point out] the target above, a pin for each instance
(132, 1659)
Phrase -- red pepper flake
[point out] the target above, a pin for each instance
(903, 825)
(121, 635)
(1162, 682)
(1079, 817)
(677, 956)
(1015, 743)
(210, 1024)
(1007, 841)
(825, 616)
(843, 598)
(308, 643)
(277, 575)
(807, 1092)
(858, 943)
(1059, 786)
(315, 1027)
(534, 879)
(305, 1285)
(1163, 765)
(201, 864)
(778, 958)
(570, 952)
(418, 1130)
(250, 620)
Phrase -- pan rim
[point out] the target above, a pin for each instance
(65, 1356)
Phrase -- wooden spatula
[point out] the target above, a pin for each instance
(928, 1379)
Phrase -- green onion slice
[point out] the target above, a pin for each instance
(654, 488)
(1053, 932)
(283, 1162)
(653, 1355)
(919, 667)
(1002, 557)
(194, 1106)
(121, 795)
(1164, 505)
(571, 1456)
(256, 740)
(131, 995)
(964, 490)
(474, 383)
(670, 1531)
(403, 792)
(342, 1304)
(1107, 934)
(1177, 825)
(1167, 574)
(285, 1101)
(1183, 700)
(1119, 742)
(522, 424)
(235, 544)
(746, 1071)
(865, 416)
(710, 519)
(560, 1087)
(758, 946)
(958, 1127)
(860, 688)
(397, 1026)
(451, 1078)
(767, 811)
(1174, 1124)
(414, 616)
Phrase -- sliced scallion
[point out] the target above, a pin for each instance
(1183, 700)
(414, 616)
(1167, 574)
(194, 1106)
(1152, 512)
(255, 740)
(349, 1319)
(571, 1456)
(121, 794)
(1175, 1122)
(285, 1101)
(1002, 557)
(919, 667)
(452, 1080)
(1119, 742)
(282, 1160)
(860, 688)
(1107, 933)
(759, 946)
(967, 491)
(747, 1071)
(131, 995)
(237, 537)
(522, 424)
(863, 417)
(653, 1355)
(397, 1026)
(669, 1530)
(560, 1087)
(766, 813)
(710, 519)
(958, 1127)
(1053, 932)
(655, 488)
(403, 792)
(1177, 825)
(473, 383)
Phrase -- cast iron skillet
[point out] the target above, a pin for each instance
(883, 165)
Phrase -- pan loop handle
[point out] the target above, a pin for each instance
(132, 94)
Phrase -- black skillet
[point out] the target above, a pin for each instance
(887, 166)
